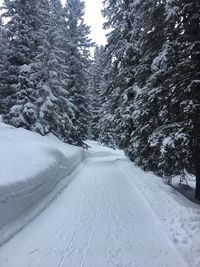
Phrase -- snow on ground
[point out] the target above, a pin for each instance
(179, 216)
(111, 214)
(31, 167)
(24, 153)
(98, 151)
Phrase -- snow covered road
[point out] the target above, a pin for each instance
(99, 220)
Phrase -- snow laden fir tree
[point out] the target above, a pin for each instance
(43, 82)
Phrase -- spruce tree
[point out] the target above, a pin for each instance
(3, 62)
(106, 127)
(183, 31)
(78, 65)
(23, 35)
(151, 67)
(121, 89)
(96, 90)
(165, 138)
(55, 110)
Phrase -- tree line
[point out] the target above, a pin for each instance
(147, 79)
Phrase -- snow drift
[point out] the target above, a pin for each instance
(31, 167)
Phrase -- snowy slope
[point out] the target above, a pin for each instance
(31, 167)
(110, 215)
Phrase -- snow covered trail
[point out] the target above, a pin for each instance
(99, 220)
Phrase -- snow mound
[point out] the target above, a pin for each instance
(31, 167)
(97, 150)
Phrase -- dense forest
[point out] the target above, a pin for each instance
(44, 67)
(139, 93)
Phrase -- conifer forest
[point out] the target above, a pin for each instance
(139, 93)
(99, 133)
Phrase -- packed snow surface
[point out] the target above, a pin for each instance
(111, 214)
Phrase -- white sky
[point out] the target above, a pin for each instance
(94, 19)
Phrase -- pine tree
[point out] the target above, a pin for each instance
(3, 48)
(23, 33)
(96, 90)
(165, 138)
(106, 125)
(23, 113)
(56, 111)
(183, 33)
(78, 64)
(149, 72)
(121, 88)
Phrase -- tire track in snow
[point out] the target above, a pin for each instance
(77, 229)
(94, 224)
(61, 229)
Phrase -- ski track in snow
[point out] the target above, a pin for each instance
(99, 220)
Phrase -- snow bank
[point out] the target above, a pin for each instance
(98, 150)
(179, 216)
(31, 167)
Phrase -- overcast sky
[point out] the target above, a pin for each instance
(94, 19)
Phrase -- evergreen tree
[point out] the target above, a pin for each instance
(148, 76)
(123, 50)
(78, 65)
(166, 135)
(23, 33)
(183, 31)
(106, 123)
(96, 90)
(46, 74)
(3, 62)
(56, 111)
